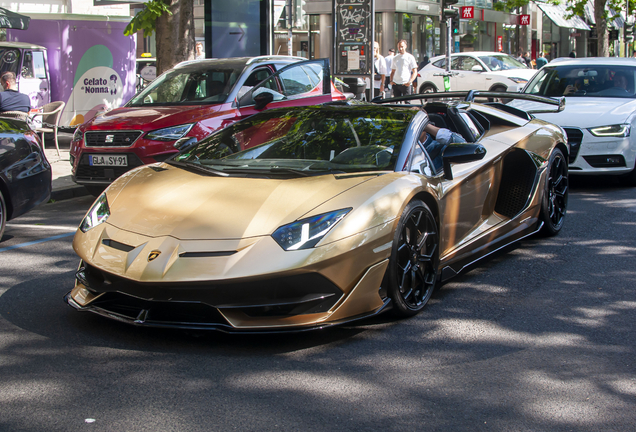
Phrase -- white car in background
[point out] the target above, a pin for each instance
(599, 114)
(478, 70)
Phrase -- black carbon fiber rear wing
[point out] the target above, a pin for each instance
(469, 96)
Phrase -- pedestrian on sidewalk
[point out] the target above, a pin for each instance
(521, 58)
(389, 64)
(380, 73)
(199, 54)
(528, 60)
(11, 99)
(404, 71)
(541, 60)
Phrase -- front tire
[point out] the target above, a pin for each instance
(500, 100)
(628, 179)
(414, 260)
(554, 202)
(3, 215)
(428, 88)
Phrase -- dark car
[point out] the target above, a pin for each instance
(25, 174)
(192, 100)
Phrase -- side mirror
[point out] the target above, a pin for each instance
(477, 68)
(262, 99)
(185, 142)
(461, 153)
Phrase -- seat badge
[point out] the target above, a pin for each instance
(109, 138)
(153, 255)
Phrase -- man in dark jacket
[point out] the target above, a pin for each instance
(11, 99)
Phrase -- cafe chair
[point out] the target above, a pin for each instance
(15, 114)
(50, 114)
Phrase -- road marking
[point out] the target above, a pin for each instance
(31, 243)
(49, 227)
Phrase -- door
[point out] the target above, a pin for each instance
(299, 84)
(467, 78)
(468, 196)
(34, 78)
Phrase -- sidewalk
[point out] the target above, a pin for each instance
(63, 187)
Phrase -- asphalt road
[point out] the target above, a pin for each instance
(539, 338)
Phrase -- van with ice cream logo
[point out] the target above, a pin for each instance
(86, 62)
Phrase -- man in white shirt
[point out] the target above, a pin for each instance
(404, 71)
(380, 73)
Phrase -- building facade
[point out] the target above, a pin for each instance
(259, 27)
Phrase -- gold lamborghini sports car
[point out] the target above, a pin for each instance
(306, 217)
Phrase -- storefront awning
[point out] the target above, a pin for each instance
(557, 14)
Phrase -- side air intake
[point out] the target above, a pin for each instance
(517, 180)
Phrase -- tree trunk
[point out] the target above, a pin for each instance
(601, 28)
(175, 35)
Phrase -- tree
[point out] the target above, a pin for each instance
(577, 8)
(173, 22)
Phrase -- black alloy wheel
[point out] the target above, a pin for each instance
(414, 260)
(3, 215)
(555, 196)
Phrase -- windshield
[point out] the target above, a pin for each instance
(189, 86)
(306, 141)
(584, 80)
(501, 62)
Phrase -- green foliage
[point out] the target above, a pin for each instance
(577, 7)
(407, 23)
(146, 19)
(510, 5)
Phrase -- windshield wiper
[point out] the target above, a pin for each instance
(269, 170)
(290, 171)
(197, 167)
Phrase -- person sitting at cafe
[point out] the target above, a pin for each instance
(11, 99)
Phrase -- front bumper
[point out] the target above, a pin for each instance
(143, 152)
(297, 303)
(231, 285)
(602, 155)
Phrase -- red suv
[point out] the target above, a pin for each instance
(192, 100)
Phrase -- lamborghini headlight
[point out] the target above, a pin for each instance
(306, 233)
(97, 214)
(619, 130)
(169, 134)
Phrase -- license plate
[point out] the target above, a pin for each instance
(105, 160)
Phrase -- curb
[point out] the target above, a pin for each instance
(68, 193)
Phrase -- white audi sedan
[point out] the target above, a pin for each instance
(478, 70)
(599, 114)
